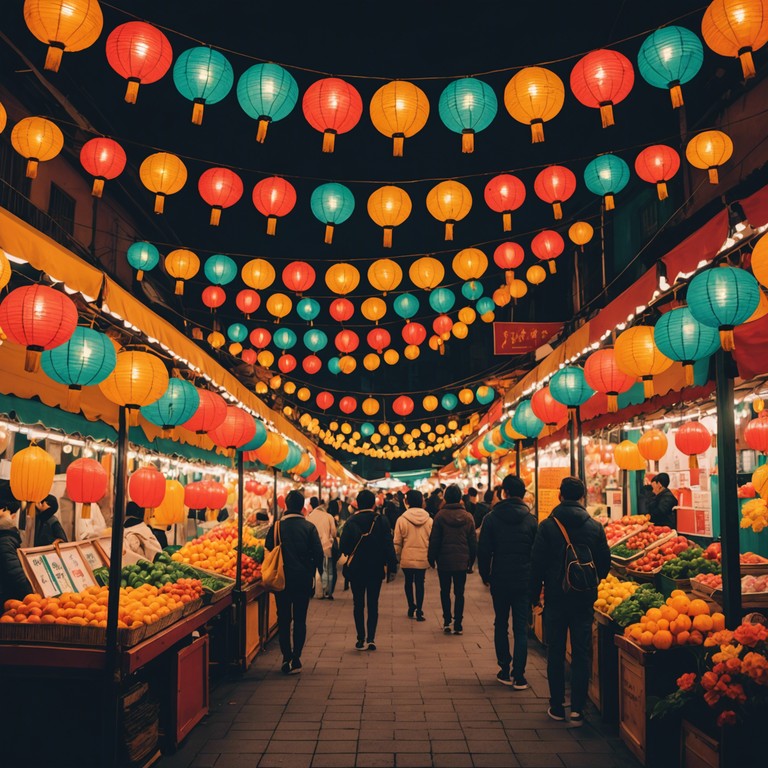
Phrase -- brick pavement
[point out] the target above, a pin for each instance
(422, 699)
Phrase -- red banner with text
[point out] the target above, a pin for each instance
(519, 338)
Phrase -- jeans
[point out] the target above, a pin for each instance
(504, 601)
(458, 579)
(292, 606)
(559, 618)
(327, 580)
(414, 577)
(365, 592)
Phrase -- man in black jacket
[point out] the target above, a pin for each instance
(504, 562)
(661, 506)
(302, 556)
(570, 610)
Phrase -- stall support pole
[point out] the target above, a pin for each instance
(518, 446)
(112, 660)
(625, 492)
(536, 477)
(727, 490)
(320, 490)
(572, 437)
(274, 493)
(240, 517)
(580, 438)
(490, 473)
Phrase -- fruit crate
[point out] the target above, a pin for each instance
(750, 600)
(754, 569)
(667, 585)
(214, 597)
(643, 577)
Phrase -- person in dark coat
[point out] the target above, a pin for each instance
(564, 611)
(662, 505)
(367, 538)
(452, 547)
(504, 562)
(482, 508)
(392, 510)
(302, 556)
(47, 526)
(14, 584)
(434, 502)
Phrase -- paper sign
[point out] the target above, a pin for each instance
(46, 583)
(90, 555)
(550, 477)
(56, 567)
(548, 500)
(519, 338)
(77, 571)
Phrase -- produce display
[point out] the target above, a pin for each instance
(611, 592)
(640, 541)
(616, 530)
(750, 585)
(634, 607)
(688, 564)
(652, 560)
(715, 552)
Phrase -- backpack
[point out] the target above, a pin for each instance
(580, 572)
(272, 568)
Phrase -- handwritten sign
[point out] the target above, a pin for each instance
(520, 338)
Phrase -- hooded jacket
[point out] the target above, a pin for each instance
(47, 526)
(661, 508)
(13, 582)
(453, 541)
(412, 538)
(376, 551)
(548, 560)
(302, 552)
(506, 542)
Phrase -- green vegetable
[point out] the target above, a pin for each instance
(257, 552)
(622, 550)
(630, 610)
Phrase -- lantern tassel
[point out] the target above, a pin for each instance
(215, 216)
(132, 414)
(558, 209)
(271, 224)
(510, 276)
(693, 462)
(53, 56)
(398, 141)
(328, 234)
(140, 275)
(261, 130)
(73, 399)
(467, 141)
(727, 340)
(98, 186)
(179, 291)
(32, 359)
(606, 113)
(31, 509)
(688, 370)
(85, 514)
(713, 176)
(506, 221)
(32, 164)
(610, 203)
(661, 189)
(132, 91)
(648, 386)
(537, 131)
(552, 266)
(147, 515)
(613, 403)
(159, 202)
(676, 94)
(388, 237)
(197, 111)
(449, 230)
(329, 140)
(747, 63)
(442, 348)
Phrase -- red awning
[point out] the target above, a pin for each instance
(639, 294)
(702, 245)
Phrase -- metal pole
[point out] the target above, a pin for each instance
(240, 517)
(536, 477)
(518, 446)
(320, 490)
(572, 436)
(727, 490)
(490, 473)
(580, 438)
(274, 493)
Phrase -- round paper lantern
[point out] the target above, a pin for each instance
(346, 341)
(146, 487)
(466, 106)
(547, 246)
(426, 273)
(274, 197)
(756, 433)
(332, 204)
(535, 275)
(38, 318)
(683, 338)
(210, 413)
(315, 340)
(247, 301)
(171, 510)
(722, 298)
(347, 364)
(485, 305)
(389, 207)
(449, 401)
(267, 93)
(176, 406)
(164, 174)
(460, 330)
(442, 325)
(341, 310)
(333, 366)
(485, 394)
(602, 373)
(260, 337)
(402, 405)
(628, 457)
(470, 264)
(249, 356)
(138, 379)
(221, 270)
(347, 404)
(307, 309)
(311, 364)
(546, 408)
(143, 257)
(601, 79)
(237, 332)
(429, 403)
(196, 495)
(371, 362)
(274, 450)
(213, 296)
(220, 188)
(258, 274)
(508, 256)
(411, 352)
(324, 400)
(442, 300)
(669, 57)
(637, 355)
(63, 25)
(399, 110)
(466, 396)
(284, 338)
(140, 53)
(86, 484)
(533, 96)
(38, 140)
(503, 194)
(298, 277)
(181, 265)
(378, 339)
(569, 387)
(691, 439)
(204, 76)
(373, 309)
(303, 394)
(414, 333)
(736, 28)
(501, 296)
(370, 406)
(449, 201)
(554, 185)
(279, 305)
(384, 274)
(332, 106)
(237, 429)
(367, 429)
(104, 159)
(518, 289)
(657, 164)
(391, 357)
(606, 176)
(406, 305)
(32, 473)
(652, 445)
(265, 358)
(709, 150)
(525, 421)
(580, 233)
(342, 278)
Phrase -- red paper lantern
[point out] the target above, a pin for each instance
(378, 339)
(554, 185)
(346, 341)
(691, 439)
(215, 494)
(195, 495)
(38, 318)
(86, 483)
(286, 363)
(402, 405)
(414, 333)
(260, 337)
(508, 256)
(601, 79)
(220, 188)
(347, 404)
(146, 486)
(211, 412)
(547, 246)
(503, 194)
(247, 301)
(324, 400)
(213, 296)
(274, 197)
(237, 428)
(332, 106)
(442, 325)
(657, 164)
(140, 53)
(341, 310)
(756, 433)
(311, 364)
(251, 486)
(249, 356)
(546, 408)
(603, 375)
(298, 277)
(103, 158)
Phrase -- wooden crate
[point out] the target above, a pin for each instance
(253, 630)
(605, 667)
(698, 750)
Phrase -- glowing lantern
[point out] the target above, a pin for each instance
(460, 330)
(546, 408)
(399, 110)
(315, 340)
(237, 332)
(441, 325)
(691, 439)
(341, 310)
(181, 265)
(525, 421)
(501, 296)
(449, 201)
(260, 337)
(470, 264)
(213, 296)
(346, 341)
(298, 277)
(86, 483)
(602, 373)
(237, 429)
(569, 387)
(177, 405)
(247, 301)
(171, 510)
(414, 333)
(601, 79)
(38, 318)
(680, 336)
(308, 309)
(389, 207)
(265, 358)
(547, 246)
(347, 364)
(140, 53)
(580, 233)
(258, 274)
(342, 278)
(138, 379)
(756, 433)
(637, 355)
(303, 394)
(533, 96)
(3, 118)
(249, 356)
(406, 305)
(378, 339)
(103, 158)
(284, 338)
(442, 299)
(347, 404)
(503, 194)
(32, 473)
(221, 270)
(652, 445)
(279, 305)
(38, 140)
(267, 93)
(373, 309)
(518, 289)
(220, 188)
(669, 57)
(426, 273)
(371, 362)
(429, 403)
(411, 352)
(485, 305)
(657, 164)
(709, 150)
(606, 176)
(324, 400)
(391, 357)
(274, 197)
(402, 405)
(467, 106)
(554, 185)
(736, 28)
(332, 204)
(370, 406)
(535, 275)
(204, 76)
(211, 411)
(146, 487)
(628, 457)
(385, 275)
(485, 394)
(164, 174)
(332, 106)
(508, 256)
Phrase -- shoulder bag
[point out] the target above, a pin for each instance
(351, 555)
(272, 569)
(580, 574)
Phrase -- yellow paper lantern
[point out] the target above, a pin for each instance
(399, 110)
(374, 309)
(466, 396)
(636, 353)
(171, 509)
(265, 358)
(347, 364)
(449, 201)
(425, 428)
(216, 339)
(399, 428)
(580, 233)
(304, 463)
(3, 118)
(429, 403)
(273, 451)
(460, 330)
(467, 315)
(709, 150)
(289, 388)
(440, 429)
(279, 305)
(412, 351)
(182, 265)
(653, 445)
(392, 440)
(235, 348)
(435, 343)
(261, 388)
(38, 140)
(303, 394)
(384, 428)
(760, 260)
(5, 270)
(470, 264)
(385, 275)
(305, 420)
(342, 278)
(407, 439)
(533, 96)
(334, 426)
(736, 28)
(32, 473)
(488, 317)
(275, 382)
(426, 273)
(628, 457)
(536, 275)
(518, 288)
(164, 174)
(370, 406)
(389, 207)
(139, 378)
(371, 362)
(346, 428)
(501, 296)
(391, 357)
(258, 274)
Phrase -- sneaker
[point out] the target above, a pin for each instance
(411, 613)
(330, 597)
(503, 677)
(286, 668)
(577, 718)
(457, 630)
(359, 645)
(556, 713)
(447, 629)
(295, 667)
(520, 683)
(420, 616)
(371, 646)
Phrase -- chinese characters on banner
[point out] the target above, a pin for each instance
(519, 338)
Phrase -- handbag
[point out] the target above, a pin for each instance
(351, 555)
(272, 567)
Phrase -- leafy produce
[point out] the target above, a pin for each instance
(689, 563)
(257, 552)
(630, 610)
(623, 551)
(611, 592)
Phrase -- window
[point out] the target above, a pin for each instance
(61, 208)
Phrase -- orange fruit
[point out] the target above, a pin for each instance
(698, 607)
(654, 614)
(682, 638)
(683, 622)
(6, 619)
(662, 624)
(668, 612)
(646, 639)
(696, 638)
(652, 627)
(718, 622)
(663, 640)
(703, 622)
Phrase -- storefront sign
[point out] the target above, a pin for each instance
(519, 338)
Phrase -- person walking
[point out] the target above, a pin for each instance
(434, 502)
(326, 530)
(662, 506)
(569, 531)
(366, 540)
(482, 508)
(412, 547)
(302, 556)
(504, 562)
(452, 547)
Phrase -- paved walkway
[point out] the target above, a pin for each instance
(422, 699)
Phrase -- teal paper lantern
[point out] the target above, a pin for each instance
(333, 366)
(292, 459)
(142, 256)
(284, 338)
(467, 106)
(367, 429)
(680, 336)
(488, 443)
(485, 395)
(569, 387)
(220, 269)
(332, 204)
(472, 290)
(669, 57)
(471, 460)
(723, 297)
(442, 300)
(525, 421)
(204, 76)
(307, 309)
(315, 340)
(406, 305)
(310, 470)
(237, 332)
(176, 406)
(259, 437)
(606, 176)
(267, 93)
(449, 401)
(485, 305)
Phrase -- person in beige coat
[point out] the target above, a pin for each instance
(411, 545)
(326, 529)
